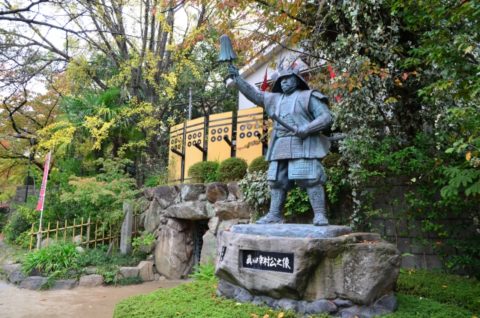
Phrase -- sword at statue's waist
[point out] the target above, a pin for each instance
(283, 123)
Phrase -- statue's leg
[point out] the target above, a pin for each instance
(316, 194)
(278, 193)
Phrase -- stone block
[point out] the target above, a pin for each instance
(191, 192)
(191, 210)
(153, 216)
(208, 254)
(227, 210)
(174, 249)
(412, 261)
(33, 282)
(216, 191)
(404, 245)
(126, 230)
(235, 191)
(357, 266)
(92, 280)
(145, 271)
(165, 195)
(320, 306)
(128, 272)
(64, 284)
(14, 273)
(213, 224)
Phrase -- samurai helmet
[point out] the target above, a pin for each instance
(285, 72)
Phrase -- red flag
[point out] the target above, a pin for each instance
(332, 76)
(265, 85)
(43, 189)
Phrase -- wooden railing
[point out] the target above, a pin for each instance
(91, 232)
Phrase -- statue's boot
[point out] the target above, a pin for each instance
(317, 200)
(276, 205)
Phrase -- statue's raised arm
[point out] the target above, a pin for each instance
(296, 144)
(250, 91)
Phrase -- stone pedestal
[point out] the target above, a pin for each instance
(308, 268)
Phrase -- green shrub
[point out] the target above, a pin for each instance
(258, 164)
(204, 273)
(204, 171)
(55, 259)
(297, 202)
(232, 169)
(20, 221)
(255, 191)
(143, 242)
(451, 289)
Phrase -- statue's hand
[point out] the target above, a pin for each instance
(302, 132)
(233, 71)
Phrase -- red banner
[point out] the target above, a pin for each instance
(43, 189)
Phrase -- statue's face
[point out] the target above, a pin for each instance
(289, 84)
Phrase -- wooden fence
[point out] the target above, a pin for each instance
(91, 232)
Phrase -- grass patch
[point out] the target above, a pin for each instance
(191, 300)
(449, 289)
(410, 306)
(198, 299)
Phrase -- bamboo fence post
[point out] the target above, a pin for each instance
(88, 232)
(56, 231)
(31, 237)
(110, 235)
(48, 233)
(73, 227)
(81, 232)
(103, 234)
(96, 227)
(65, 232)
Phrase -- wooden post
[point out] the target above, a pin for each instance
(73, 233)
(56, 231)
(88, 232)
(65, 232)
(81, 232)
(31, 237)
(48, 233)
(96, 226)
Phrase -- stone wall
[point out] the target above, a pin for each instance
(417, 247)
(172, 213)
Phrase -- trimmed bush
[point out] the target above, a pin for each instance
(204, 171)
(232, 169)
(258, 164)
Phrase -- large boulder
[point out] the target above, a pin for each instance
(310, 264)
(192, 192)
(226, 210)
(216, 191)
(190, 210)
(145, 271)
(14, 273)
(234, 191)
(165, 195)
(174, 249)
(153, 216)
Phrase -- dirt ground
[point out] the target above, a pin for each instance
(80, 302)
(98, 302)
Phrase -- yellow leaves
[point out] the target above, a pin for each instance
(56, 135)
(281, 315)
(98, 129)
(468, 156)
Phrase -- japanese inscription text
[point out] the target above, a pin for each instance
(270, 261)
